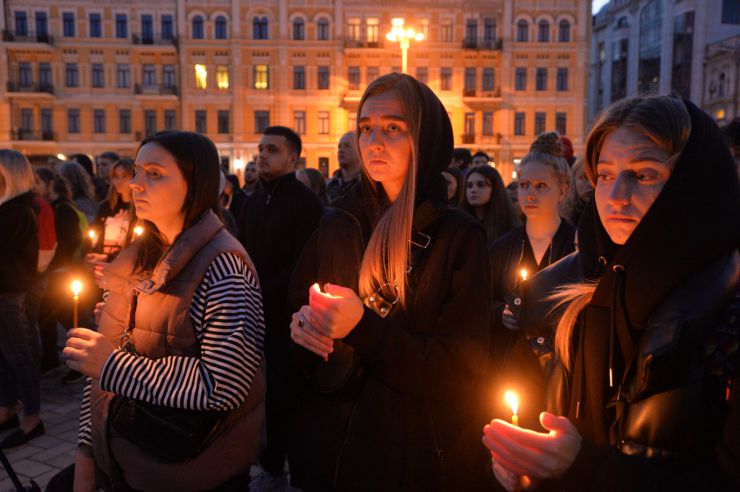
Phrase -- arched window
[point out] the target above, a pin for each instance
(622, 22)
(198, 27)
(651, 24)
(259, 28)
(322, 30)
(522, 31)
(221, 32)
(543, 31)
(299, 29)
(564, 31)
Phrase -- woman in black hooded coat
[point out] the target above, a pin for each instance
(646, 387)
(394, 402)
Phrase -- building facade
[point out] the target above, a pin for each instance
(687, 47)
(90, 76)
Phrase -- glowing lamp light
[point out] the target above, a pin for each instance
(61, 157)
(512, 400)
(138, 230)
(403, 36)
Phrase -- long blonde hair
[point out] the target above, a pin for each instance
(386, 257)
(17, 172)
(666, 121)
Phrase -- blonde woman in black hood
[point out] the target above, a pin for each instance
(646, 394)
(393, 352)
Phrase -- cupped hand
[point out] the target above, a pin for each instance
(335, 315)
(303, 332)
(534, 454)
(87, 351)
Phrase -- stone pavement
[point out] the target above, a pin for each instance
(43, 457)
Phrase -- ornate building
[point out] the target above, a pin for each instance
(90, 76)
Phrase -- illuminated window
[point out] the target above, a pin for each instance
(222, 77)
(261, 77)
(201, 77)
(372, 30)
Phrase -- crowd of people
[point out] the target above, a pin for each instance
(360, 332)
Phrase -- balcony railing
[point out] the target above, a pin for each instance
(482, 44)
(468, 92)
(153, 40)
(155, 89)
(468, 138)
(27, 37)
(41, 87)
(361, 43)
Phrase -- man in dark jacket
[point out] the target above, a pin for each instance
(278, 219)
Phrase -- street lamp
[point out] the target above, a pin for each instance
(403, 36)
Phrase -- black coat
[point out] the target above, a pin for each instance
(69, 235)
(19, 248)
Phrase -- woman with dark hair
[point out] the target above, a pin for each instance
(645, 394)
(233, 197)
(81, 187)
(486, 200)
(394, 352)
(19, 249)
(314, 181)
(111, 224)
(176, 390)
(455, 179)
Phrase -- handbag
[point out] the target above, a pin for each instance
(173, 435)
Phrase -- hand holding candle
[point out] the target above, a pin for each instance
(336, 311)
(303, 332)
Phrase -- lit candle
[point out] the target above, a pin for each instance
(76, 288)
(317, 290)
(91, 235)
(513, 401)
(523, 273)
(138, 230)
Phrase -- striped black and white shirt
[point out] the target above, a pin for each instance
(227, 315)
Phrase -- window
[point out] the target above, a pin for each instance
(68, 27)
(147, 29)
(353, 78)
(323, 82)
(95, 26)
(299, 78)
(73, 121)
(620, 50)
(562, 81)
(124, 121)
(123, 76)
(223, 121)
(651, 24)
(261, 121)
(149, 75)
(261, 77)
(99, 121)
(166, 27)
(299, 122)
(445, 78)
(42, 26)
(45, 75)
(683, 45)
(150, 122)
(445, 31)
(47, 123)
(422, 74)
(520, 79)
(488, 80)
(121, 26)
(322, 30)
(25, 77)
(71, 77)
(169, 119)
(539, 123)
(560, 123)
(323, 122)
(299, 29)
(730, 12)
(197, 27)
(98, 78)
(488, 123)
(21, 23)
(259, 28)
(201, 77)
(220, 28)
(353, 29)
(470, 77)
(222, 77)
(541, 80)
(543, 31)
(470, 125)
(471, 31)
(372, 74)
(168, 76)
(518, 123)
(564, 31)
(489, 30)
(27, 120)
(371, 30)
(522, 31)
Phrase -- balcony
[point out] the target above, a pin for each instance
(469, 93)
(468, 138)
(153, 40)
(27, 37)
(361, 43)
(155, 90)
(482, 44)
(41, 87)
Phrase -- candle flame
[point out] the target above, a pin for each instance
(138, 230)
(513, 401)
(315, 287)
(76, 287)
(91, 234)
(523, 272)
